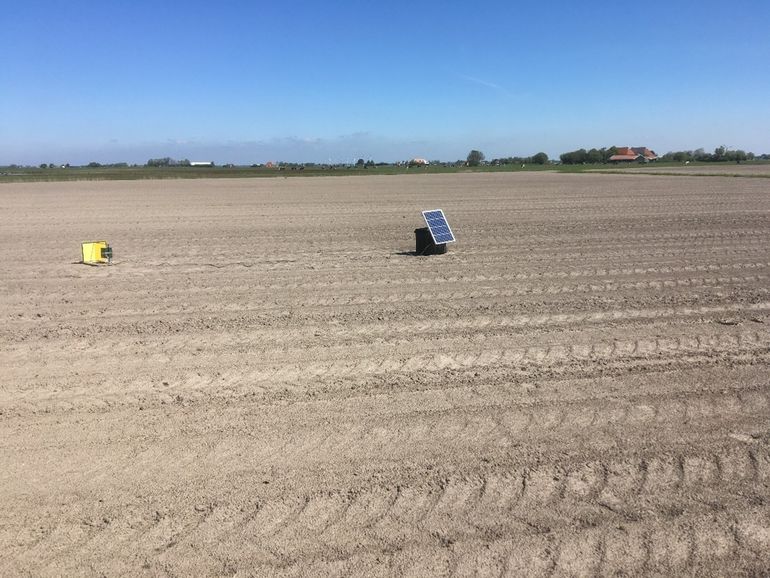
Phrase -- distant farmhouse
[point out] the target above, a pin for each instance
(201, 163)
(630, 154)
(419, 161)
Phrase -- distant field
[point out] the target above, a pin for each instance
(754, 169)
(142, 173)
(16, 175)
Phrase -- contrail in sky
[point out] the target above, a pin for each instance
(483, 82)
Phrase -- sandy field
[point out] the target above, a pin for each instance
(269, 383)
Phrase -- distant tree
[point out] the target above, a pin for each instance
(43, 166)
(540, 158)
(94, 165)
(701, 155)
(583, 156)
(574, 157)
(721, 153)
(678, 156)
(474, 158)
(163, 162)
(360, 162)
(594, 156)
(608, 152)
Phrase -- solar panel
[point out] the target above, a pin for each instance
(438, 226)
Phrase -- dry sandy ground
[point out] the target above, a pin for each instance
(268, 382)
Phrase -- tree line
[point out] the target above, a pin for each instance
(592, 156)
(167, 162)
(720, 154)
(475, 158)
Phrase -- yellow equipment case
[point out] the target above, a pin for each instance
(96, 252)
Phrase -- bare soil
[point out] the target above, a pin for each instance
(269, 382)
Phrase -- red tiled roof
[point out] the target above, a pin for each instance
(632, 153)
(644, 151)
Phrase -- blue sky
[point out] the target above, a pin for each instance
(245, 82)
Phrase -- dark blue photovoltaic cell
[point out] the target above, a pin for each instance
(439, 228)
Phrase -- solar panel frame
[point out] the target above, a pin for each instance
(438, 226)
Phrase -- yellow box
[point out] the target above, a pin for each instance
(92, 251)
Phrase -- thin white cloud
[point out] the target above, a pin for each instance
(482, 82)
